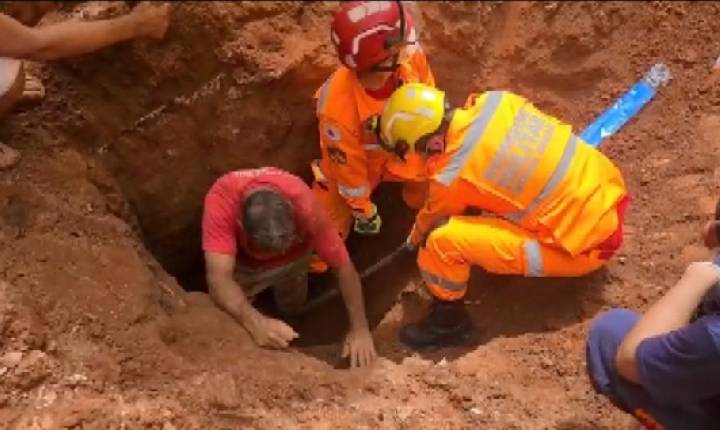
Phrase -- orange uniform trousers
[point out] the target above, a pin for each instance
(500, 246)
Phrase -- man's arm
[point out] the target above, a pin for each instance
(671, 312)
(68, 39)
(359, 344)
(229, 296)
(325, 240)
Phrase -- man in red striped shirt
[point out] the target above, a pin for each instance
(260, 227)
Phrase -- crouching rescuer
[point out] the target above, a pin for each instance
(260, 227)
(512, 190)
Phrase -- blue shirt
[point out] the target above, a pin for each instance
(679, 371)
(683, 366)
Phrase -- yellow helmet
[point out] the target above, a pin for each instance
(412, 111)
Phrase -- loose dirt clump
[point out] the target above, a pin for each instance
(99, 221)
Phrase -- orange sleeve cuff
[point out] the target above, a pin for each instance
(361, 207)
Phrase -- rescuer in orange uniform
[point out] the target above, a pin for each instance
(551, 204)
(377, 45)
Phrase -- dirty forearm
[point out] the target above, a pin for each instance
(351, 290)
(69, 39)
(230, 297)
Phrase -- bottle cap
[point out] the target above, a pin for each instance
(659, 75)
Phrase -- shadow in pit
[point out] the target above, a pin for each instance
(506, 306)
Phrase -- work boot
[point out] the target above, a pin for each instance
(447, 324)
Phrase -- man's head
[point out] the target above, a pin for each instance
(415, 118)
(268, 221)
(370, 36)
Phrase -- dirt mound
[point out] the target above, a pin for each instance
(94, 332)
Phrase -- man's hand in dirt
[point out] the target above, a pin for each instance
(230, 297)
(270, 333)
(152, 19)
(359, 348)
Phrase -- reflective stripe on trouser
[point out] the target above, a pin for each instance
(496, 245)
(289, 282)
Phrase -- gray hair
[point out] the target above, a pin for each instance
(268, 221)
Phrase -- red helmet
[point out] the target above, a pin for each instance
(363, 32)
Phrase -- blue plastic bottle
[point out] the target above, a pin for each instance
(625, 108)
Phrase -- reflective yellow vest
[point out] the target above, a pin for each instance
(548, 180)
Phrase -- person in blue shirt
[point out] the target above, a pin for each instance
(663, 367)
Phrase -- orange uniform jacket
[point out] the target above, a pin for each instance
(505, 157)
(351, 158)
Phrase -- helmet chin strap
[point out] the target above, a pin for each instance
(394, 41)
(391, 68)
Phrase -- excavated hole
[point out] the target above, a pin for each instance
(166, 123)
(197, 143)
(165, 168)
(328, 323)
(164, 147)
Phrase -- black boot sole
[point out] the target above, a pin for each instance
(466, 337)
